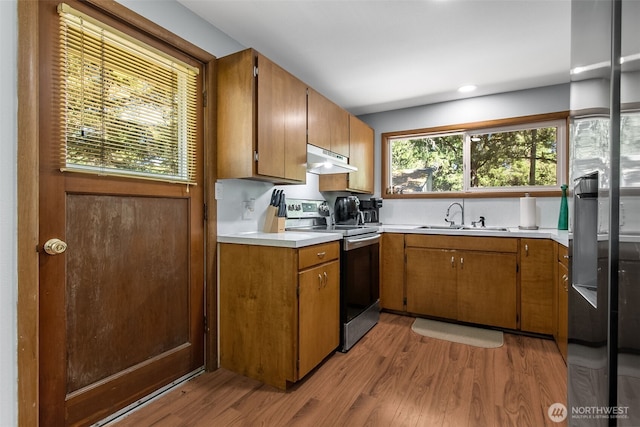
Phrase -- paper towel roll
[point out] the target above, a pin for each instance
(527, 212)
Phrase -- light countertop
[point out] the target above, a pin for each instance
(296, 239)
(287, 239)
(560, 236)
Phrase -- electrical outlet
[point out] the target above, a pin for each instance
(219, 191)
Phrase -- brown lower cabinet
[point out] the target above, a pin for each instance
(279, 309)
(392, 272)
(537, 266)
(497, 281)
(562, 300)
(469, 279)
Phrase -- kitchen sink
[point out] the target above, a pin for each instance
(460, 227)
(485, 228)
(439, 227)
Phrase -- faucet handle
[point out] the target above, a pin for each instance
(480, 221)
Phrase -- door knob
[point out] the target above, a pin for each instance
(55, 246)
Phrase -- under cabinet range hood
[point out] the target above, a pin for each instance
(324, 162)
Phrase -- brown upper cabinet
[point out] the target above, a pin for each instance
(262, 120)
(361, 156)
(328, 124)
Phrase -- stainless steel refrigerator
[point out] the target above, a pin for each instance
(604, 299)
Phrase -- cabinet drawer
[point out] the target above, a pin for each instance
(317, 254)
(563, 255)
(471, 243)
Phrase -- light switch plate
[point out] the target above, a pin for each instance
(219, 190)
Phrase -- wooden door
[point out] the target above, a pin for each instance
(282, 123)
(536, 285)
(122, 309)
(318, 315)
(431, 282)
(487, 288)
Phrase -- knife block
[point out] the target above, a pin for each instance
(272, 222)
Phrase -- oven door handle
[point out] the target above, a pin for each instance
(354, 242)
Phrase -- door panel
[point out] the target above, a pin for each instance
(128, 312)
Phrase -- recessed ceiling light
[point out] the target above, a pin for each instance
(467, 88)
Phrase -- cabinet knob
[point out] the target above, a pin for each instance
(321, 254)
(461, 262)
(453, 261)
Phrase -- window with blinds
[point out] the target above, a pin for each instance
(128, 108)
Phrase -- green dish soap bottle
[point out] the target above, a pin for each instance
(563, 219)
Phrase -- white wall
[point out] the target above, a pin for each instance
(498, 212)
(8, 214)
(181, 21)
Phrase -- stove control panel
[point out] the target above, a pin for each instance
(298, 208)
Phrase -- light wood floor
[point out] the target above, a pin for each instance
(392, 377)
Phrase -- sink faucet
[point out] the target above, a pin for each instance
(452, 223)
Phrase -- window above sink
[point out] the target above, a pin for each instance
(487, 159)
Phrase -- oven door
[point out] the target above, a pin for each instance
(359, 286)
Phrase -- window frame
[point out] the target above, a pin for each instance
(523, 122)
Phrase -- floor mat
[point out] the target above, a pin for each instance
(478, 337)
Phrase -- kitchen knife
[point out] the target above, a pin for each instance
(273, 198)
(282, 209)
(276, 202)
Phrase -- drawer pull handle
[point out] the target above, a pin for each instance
(319, 281)
(461, 262)
(526, 250)
(321, 254)
(452, 261)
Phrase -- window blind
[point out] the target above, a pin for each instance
(128, 109)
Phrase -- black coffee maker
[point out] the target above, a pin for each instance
(371, 210)
(347, 211)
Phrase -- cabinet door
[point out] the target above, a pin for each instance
(361, 156)
(563, 308)
(487, 288)
(328, 124)
(318, 315)
(392, 272)
(281, 126)
(431, 282)
(236, 115)
(536, 285)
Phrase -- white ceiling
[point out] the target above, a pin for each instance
(377, 55)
